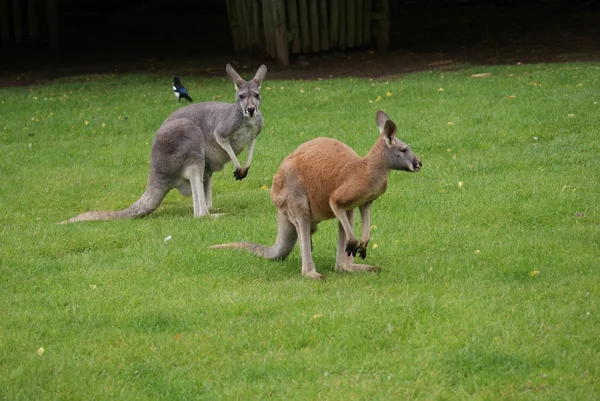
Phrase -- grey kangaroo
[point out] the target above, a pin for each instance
(325, 179)
(193, 143)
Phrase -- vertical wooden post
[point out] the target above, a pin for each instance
(323, 26)
(314, 25)
(17, 21)
(4, 22)
(292, 12)
(233, 24)
(32, 21)
(383, 25)
(342, 26)
(52, 22)
(304, 25)
(350, 21)
(334, 15)
(368, 15)
(281, 40)
(358, 38)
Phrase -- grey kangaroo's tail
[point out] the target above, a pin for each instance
(147, 203)
(286, 239)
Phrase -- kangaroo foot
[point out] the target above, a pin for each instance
(313, 274)
(355, 267)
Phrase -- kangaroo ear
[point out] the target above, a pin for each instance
(260, 74)
(237, 80)
(389, 132)
(381, 119)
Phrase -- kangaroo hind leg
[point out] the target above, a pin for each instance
(195, 174)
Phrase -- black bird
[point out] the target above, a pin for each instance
(179, 90)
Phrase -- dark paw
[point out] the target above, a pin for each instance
(351, 248)
(241, 173)
(362, 250)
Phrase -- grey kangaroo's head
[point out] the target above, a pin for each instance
(400, 155)
(248, 93)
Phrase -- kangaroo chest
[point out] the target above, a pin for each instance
(240, 138)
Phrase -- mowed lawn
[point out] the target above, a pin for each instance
(490, 256)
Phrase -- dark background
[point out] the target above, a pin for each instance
(193, 36)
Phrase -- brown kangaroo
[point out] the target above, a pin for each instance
(193, 143)
(323, 179)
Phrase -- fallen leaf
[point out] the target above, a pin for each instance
(534, 273)
(460, 184)
(482, 75)
(388, 94)
(511, 97)
(317, 317)
(86, 122)
(579, 214)
(167, 238)
(450, 123)
(373, 227)
(264, 188)
(41, 351)
(441, 90)
(477, 252)
(177, 337)
(375, 246)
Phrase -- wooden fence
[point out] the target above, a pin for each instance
(29, 22)
(281, 27)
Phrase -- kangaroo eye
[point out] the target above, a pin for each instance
(257, 96)
(242, 97)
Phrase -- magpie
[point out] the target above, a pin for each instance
(179, 90)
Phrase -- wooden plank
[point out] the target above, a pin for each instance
(234, 25)
(314, 25)
(358, 37)
(17, 22)
(368, 15)
(334, 17)
(342, 19)
(4, 22)
(292, 12)
(350, 22)
(281, 39)
(323, 25)
(383, 25)
(32, 21)
(52, 23)
(304, 25)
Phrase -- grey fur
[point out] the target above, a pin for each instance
(193, 143)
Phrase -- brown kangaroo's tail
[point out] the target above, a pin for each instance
(147, 203)
(286, 239)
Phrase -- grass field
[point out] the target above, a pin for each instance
(490, 256)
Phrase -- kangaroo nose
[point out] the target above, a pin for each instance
(251, 110)
(420, 164)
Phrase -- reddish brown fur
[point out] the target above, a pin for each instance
(323, 179)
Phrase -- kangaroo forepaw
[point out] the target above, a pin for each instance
(241, 173)
(351, 248)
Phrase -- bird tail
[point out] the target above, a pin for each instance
(185, 95)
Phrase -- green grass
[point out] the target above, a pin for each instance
(489, 290)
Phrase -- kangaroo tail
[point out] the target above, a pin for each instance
(286, 239)
(147, 203)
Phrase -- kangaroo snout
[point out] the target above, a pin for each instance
(250, 110)
(417, 165)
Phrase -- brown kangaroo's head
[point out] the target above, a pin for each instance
(400, 155)
(248, 93)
